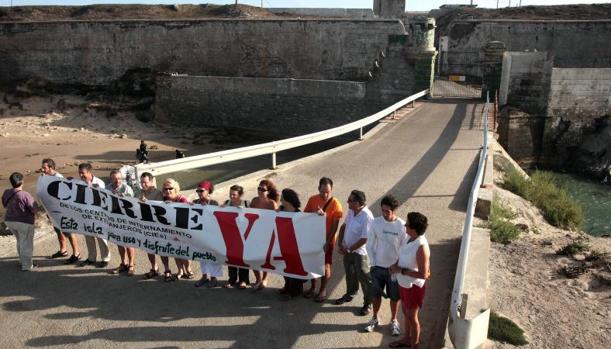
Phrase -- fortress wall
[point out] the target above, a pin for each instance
(96, 53)
(572, 44)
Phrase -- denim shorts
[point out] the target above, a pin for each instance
(380, 278)
(59, 231)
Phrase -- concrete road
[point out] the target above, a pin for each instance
(427, 159)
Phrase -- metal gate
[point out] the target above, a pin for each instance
(455, 86)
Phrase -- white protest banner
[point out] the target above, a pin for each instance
(285, 243)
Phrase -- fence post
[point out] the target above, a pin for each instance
(360, 134)
(274, 161)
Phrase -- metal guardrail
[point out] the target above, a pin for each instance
(274, 147)
(458, 325)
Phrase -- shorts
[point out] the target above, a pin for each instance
(380, 280)
(413, 297)
(329, 254)
(59, 231)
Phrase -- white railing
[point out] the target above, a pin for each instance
(274, 147)
(462, 330)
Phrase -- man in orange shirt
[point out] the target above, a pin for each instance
(325, 204)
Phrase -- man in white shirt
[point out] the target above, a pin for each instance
(353, 237)
(126, 254)
(47, 168)
(386, 236)
(84, 171)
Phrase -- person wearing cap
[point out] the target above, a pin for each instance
(204, 190)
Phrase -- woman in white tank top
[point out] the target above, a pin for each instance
(412, 270)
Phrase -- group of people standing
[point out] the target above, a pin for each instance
(386, 256)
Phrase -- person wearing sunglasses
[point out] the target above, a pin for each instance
(353, 237)
(204, 189)
(267, 198)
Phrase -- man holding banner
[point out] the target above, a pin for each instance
(84, 172)
(285, 243)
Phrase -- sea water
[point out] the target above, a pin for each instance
(595, 198)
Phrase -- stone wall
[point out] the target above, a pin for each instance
(279, 107)
(578, 131)
(575, 44)
(525, 81)
(356, 13)
(97, 53)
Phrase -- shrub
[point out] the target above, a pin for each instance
(501, 228)
(545, 192)
(503, 231)
(500, 210)
(502, 329)
(573, 248)
(515, 182)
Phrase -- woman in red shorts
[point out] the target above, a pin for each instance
(412, 270)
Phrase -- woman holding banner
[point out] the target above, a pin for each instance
(204, 189)
(237, 275)
(267, 198)
(171, 193)
(290, 203)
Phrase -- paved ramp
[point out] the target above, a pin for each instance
(427, 160)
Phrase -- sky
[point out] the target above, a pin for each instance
(413, 5)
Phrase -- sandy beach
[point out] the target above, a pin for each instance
(80, 132)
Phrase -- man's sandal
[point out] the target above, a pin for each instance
(151, 274)
(320, 299)
(169, 277)
(59, 254)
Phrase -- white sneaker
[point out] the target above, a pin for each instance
(395, 329)
(371, 325)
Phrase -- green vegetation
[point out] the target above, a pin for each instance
(501, 228)
(573, 248)
(502, 329)
(545, 192)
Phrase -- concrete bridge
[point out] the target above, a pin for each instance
(427, 159)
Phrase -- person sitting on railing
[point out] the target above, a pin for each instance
(412, 270)
(204, 189)
(237, 275)
(171, 193)
(267, 198)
